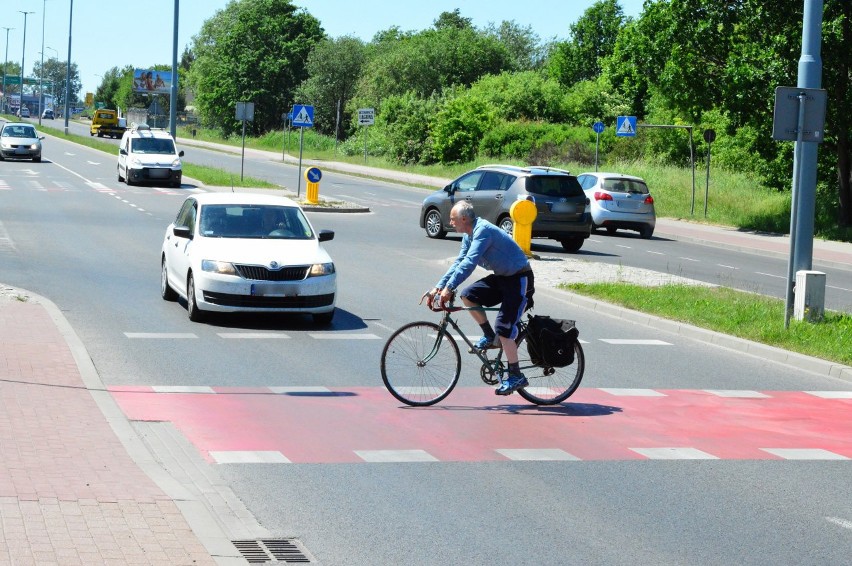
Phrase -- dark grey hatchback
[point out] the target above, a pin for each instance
(562, 207)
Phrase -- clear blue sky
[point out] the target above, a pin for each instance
(115, 33)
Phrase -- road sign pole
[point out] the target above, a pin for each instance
(243, 157)
(597, 145)
(365, 145)
(794, 212)
(299, 185)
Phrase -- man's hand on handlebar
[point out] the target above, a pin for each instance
(438, 299)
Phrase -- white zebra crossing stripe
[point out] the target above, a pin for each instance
(252, 335)
(248, 457)
(183, 389)
(624, 342)
(737, 394)
(385, 456)
(632, 392)
(674, 454)
(804, 454)
(537, 454)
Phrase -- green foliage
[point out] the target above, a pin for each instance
(522, 44)
(593, 38)
(54, 74)
(539, 143)
(404, 121)
(459, 126)
(252, 50)
(334, 66)
(525, 95)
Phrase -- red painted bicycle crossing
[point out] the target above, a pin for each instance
(358, 424)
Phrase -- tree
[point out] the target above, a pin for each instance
(593, 38)
(522, 44)
(54, 79)
(334, 67)
(107, 91)
(453, 20)
(254, 51)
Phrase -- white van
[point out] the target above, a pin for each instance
(148, 155)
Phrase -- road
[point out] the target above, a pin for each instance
(673, 451)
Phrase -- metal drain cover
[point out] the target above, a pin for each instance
(272, 551)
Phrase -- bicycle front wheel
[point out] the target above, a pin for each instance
(550, 385)
(418, 368)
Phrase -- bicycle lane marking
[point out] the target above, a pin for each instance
(335, 424)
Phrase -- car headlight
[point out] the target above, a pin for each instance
(7, 145)
(34, 146)
(220, 267)
(135, 162)
(176, 162)
(318, 269)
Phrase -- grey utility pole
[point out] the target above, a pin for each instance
(5, 66)
(810, 76)
(174, 90)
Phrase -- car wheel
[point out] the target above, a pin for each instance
(572, 245)
(506, 224)
(120, 178)
(434, 224)
(195, 314)
(646, 232)
(323, 318)
(166, 290)
(610, 230)
(37, 159)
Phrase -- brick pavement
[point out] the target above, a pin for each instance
(69, 492)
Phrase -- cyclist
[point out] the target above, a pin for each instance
(510, 285)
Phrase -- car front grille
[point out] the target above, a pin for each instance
(260, 273)
(252, 301)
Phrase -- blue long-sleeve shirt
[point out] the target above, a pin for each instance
(489, 247)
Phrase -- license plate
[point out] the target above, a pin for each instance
(22, 151)
(266, 290)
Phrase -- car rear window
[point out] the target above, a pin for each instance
(554, 186)
(625, 186)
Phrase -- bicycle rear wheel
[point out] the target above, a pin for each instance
(549, 386)
(417, 368)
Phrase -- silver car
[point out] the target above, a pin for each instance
(619, 202)
(21, 141)
(561, 205)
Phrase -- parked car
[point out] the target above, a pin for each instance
(20, 140)
(235, 252)
(562, 207)
(23, 112)
(47, 114)
(619, 202)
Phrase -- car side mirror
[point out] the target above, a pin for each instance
(326, 235)
(122, 151)
(182, 232)
(450, 189)
(180, 153)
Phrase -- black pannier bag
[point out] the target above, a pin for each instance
(550, 341)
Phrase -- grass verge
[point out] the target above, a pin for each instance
(737, 313)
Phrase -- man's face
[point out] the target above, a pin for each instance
(457, 221)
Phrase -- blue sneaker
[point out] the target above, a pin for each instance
(486, 344)
(511, 384)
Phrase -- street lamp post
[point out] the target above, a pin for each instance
(23, 57)
(5, 68)
(68, 66)
(41, 73)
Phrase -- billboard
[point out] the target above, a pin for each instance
(152, 82)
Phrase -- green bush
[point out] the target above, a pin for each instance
(459, 127)
(539, 142)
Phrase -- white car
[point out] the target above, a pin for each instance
(148, 155)
(233, 252)
(619, 202)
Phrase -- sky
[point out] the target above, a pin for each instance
(115, 33)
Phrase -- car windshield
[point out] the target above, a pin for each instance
(631, 186)
(554, 186)
(153, 145)
(254, 221)
(19, 131)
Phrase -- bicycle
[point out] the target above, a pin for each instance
(421, 364)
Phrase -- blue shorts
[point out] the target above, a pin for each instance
(512, 292)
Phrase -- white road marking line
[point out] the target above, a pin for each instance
(248, 457)
(97, 186)
(160, 335)
(388, 328)
(623, 342)
(413, 390)
(674, 454)
(733, 393)
(831, 394)
(6, 241)
(689, 259)
(727, 266)
(339, 336)
(623, 392)
(804, 454)
(395, 456)
(252, 335)
(299, 389)
(769, 275)
(183, 389)
(841, 522)
(536, 454)
(655, 253)
(91, 162)
(625, 247)
(838, 288)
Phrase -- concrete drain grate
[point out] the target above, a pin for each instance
(271, 551)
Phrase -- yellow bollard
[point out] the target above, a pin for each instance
(312, 176)
(523, 213)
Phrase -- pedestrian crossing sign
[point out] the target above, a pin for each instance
(625, 126)
(303, 116)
